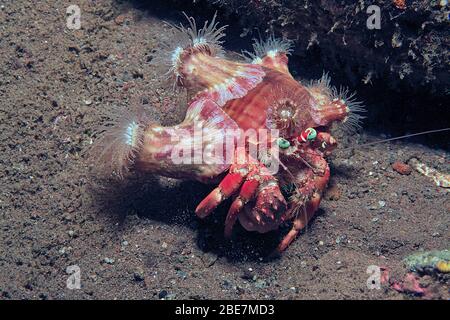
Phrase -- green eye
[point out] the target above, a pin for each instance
(283, 143)
(312, 134)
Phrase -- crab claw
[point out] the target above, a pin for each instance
(247, 193)
(254, 183)
(300, 222)
(266, 215)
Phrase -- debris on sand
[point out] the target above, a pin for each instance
(401, 168)
(108, 260)
(409, 285)
(120, 19)
(162, 294)
(440, 179)
(400, 4)
(429, 261)
(139, 274)
(209, 259)
(333, 193)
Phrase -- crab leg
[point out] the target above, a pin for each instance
(300, 222)
(229, 186)
(254, 181)
(309, 209)
(247, 193)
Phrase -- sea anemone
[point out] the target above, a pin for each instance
(354, 108)
(269, 47)
(118, 142)
(332, 104)
(184, 38)
(283, 114)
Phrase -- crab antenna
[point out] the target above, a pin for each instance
(396, 138)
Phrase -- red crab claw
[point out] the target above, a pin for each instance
(270, 203)
(268, 211)
(254, 181)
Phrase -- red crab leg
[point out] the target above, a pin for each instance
(270, 200)
(247, 193)
(300, 222)
(310, 209)
(229, 185)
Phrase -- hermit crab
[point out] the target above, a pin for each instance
(252, 103)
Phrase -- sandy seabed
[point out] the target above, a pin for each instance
(145, 242)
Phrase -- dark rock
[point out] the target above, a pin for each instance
(162, 294)
(139, 274)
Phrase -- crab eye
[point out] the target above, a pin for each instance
(311, 134)
(324, 145)
(308, 135)
(283, 143)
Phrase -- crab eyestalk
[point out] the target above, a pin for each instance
(309, 134)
